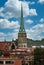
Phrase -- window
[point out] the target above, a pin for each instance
(13, 46)
(1, 62)
(1, 52)
(24, 46)
(26, 64)
(23, 63)
(9, 62)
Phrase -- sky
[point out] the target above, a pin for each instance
(33, 13)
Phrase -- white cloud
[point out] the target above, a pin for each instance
(12, 9)
(32, 12)
(35, 32)
(29, 21)
(1, 9)
(41, 1)
(9, 36)
(42, 20)
(2, 36)
(32, 2)
(13, 35)
(4, 23)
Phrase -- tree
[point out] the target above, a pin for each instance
(39, 56)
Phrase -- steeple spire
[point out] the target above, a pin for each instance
(22, 29)
(22, 40)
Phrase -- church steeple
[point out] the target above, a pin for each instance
(22, 40)
(22, 29)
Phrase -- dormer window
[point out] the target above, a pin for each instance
(1, 53)
(12, 47)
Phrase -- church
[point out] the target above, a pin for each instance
(17, 53)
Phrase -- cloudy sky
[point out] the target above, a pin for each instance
(33, 12)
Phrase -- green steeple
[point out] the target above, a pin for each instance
(22, 29)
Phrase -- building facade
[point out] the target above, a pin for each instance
(16, 54)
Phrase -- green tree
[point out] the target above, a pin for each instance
(39, 56)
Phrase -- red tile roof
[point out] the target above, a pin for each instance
(4, 45)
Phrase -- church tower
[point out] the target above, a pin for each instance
(22, 39)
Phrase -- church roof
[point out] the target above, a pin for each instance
(22, 29)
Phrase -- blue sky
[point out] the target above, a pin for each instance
(33, 12)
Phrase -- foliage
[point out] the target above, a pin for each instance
(35, 42)
(39, 56)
